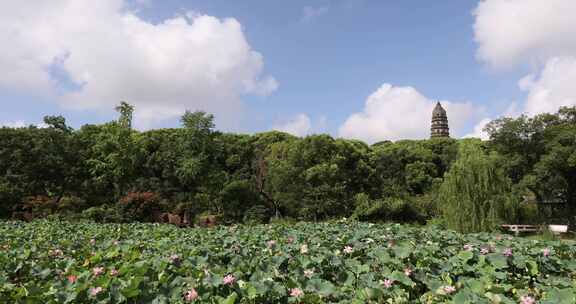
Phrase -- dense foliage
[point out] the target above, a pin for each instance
(476, 194)
(194, 174)
(540, 155)
(340, 262)
(112, 173)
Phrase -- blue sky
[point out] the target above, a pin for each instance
(325, 59)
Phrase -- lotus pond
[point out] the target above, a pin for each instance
(337, 262)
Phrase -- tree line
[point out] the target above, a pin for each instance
(111, 172)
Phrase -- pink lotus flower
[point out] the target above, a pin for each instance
(507, 252)
(388, 283)
(546, 252)
(113, 272)
(229, 279)
(304, 249)
(97, 271)
(296, 292)
(484, 251)
(527, 300)
(308, 273)
(271, 243)
(408, 271)
(56, 253)
(174, 258)
(94, 291)
(468, 247)
(348, 249)
(72, 278)
(191, 295)
(235, 248)
(449, 289)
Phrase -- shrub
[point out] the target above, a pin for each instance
(256, 215)
(69, 204)
(187, 209)
(235, 196)
(436, 222)
(207, 220)
(140, 206)
(425, 206)
(528, 213)
(285, 220)
(40, 205)
(400, 210)
(388, 209)
(103, 214)
(9, 198)
(547, 235)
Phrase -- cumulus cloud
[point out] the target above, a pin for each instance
(13, 124)
(478, 131)
(300, 125)
(21, 124)
(552, 88)
(515, 31)
(539, 33)
(309, 12)
(109, 54)
(393, 113)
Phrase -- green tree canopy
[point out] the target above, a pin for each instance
(476, 195)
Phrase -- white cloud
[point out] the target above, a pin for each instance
(515, 31)
(110, 54)
(21, 124)
(13, 124)
(300, 125)
(553, 87)
(393, 113)
(478, 131)
(535, 32)
(310, 12)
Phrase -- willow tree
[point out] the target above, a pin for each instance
(476, 195)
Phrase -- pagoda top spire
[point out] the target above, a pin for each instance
(438, 110)
(439, 126)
